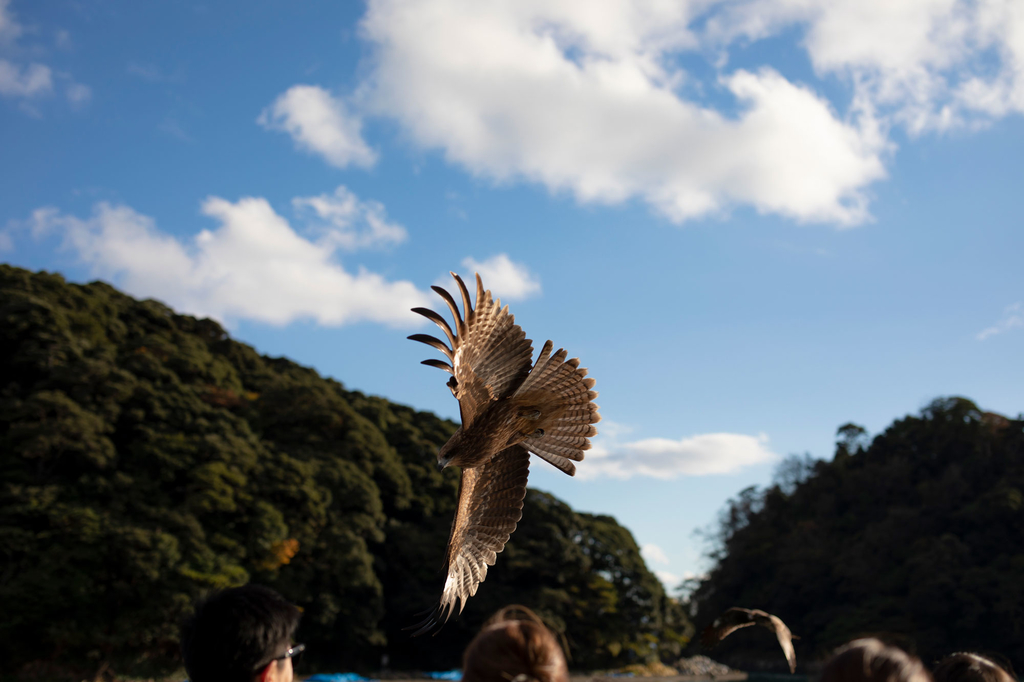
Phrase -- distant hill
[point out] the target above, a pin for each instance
(916, 536)
(145, 457)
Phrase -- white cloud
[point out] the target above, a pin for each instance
(653, 554)
(32, 80)
(583, 97)
(664, 458)
(350, 223)
(1013, 317)
(508, 280)
(253, 266)
(321, 124)
(670, 581)
(932, 64)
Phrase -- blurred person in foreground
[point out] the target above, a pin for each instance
(869, 660)
(514, 646)
(242, 634)
(968, 667)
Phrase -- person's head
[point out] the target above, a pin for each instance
(869, 660)
(967, 667)
(514, 646)
(240, 635)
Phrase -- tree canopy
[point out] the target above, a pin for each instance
(914, 536)
(146, 457)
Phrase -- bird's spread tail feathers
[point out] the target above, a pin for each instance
(563, 393)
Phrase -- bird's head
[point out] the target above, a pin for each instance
(448, 453)
(443, 461)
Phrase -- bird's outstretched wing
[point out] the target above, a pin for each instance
(726, 624)
(490, 506)
(735, 618)
(782, 633)
(489, 354)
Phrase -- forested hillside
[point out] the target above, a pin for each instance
(146, 457)
(916, 537)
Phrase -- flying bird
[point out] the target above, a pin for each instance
(736, 618)
(510, 406)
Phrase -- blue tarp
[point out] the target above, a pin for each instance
(446, 675)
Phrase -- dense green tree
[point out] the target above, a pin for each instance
(146, 457)
(914, 536)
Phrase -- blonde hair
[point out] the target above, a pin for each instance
(514, 646)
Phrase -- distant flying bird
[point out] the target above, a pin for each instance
(510, 407)
(736, 618)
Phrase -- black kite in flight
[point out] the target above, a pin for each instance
(510, 407)
(736, 618)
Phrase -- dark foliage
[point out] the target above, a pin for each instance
(914, 537)
(145, 458)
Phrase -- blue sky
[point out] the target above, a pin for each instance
(753, 220)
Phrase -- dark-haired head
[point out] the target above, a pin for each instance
(514, 645)
(235, 634)
(869, 660)
(968, 667)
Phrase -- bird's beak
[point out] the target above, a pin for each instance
(441, 464)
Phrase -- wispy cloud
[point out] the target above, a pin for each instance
(349, 223)
(613, 430)
(253, 266)
(10, 29)
(153, 73)
(665, 458)
(172, 127)
(145, 71)
(1013, 318)
(32, 81)
(62, 39)
(319, 123)
(78, 94)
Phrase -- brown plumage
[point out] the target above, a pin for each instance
(736, 618)
(510, 407)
